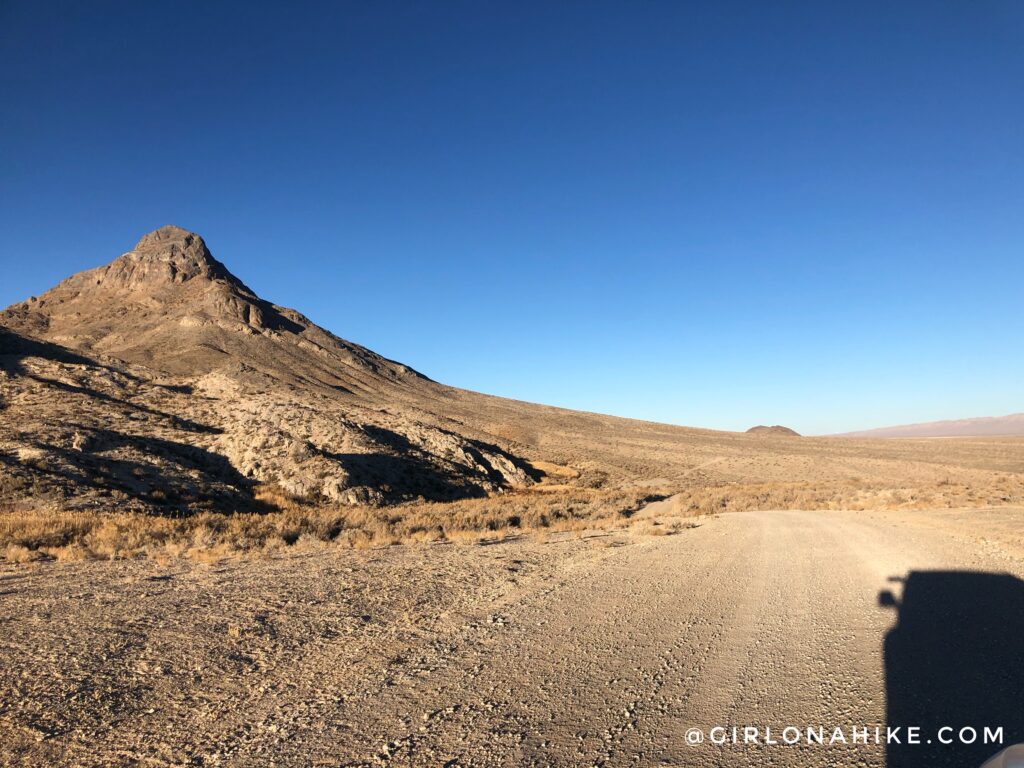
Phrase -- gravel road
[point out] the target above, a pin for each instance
(606, 651)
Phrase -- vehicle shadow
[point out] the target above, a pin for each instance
(954, 658)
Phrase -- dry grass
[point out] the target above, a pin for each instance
(33, 534)
(36, 534)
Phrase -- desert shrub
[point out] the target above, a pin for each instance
(514, 432)
(33, 534)
(287, 521)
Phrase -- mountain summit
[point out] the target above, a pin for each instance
(169, 254)
(170, 305)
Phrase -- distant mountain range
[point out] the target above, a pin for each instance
(983, 426)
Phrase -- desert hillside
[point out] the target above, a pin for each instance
(160, 383)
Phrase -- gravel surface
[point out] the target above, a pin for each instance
(601, 650)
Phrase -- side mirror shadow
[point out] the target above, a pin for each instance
(886, 599)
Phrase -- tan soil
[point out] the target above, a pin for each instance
(574, 651)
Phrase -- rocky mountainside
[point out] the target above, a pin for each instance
(161, 379)
(169, 305)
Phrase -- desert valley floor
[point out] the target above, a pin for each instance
(600, 649)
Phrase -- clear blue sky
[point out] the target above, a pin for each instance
(716, 214)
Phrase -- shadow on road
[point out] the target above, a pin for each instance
(955, 657)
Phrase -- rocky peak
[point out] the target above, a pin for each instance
(168, 304)
(168, 254)
(165, 235)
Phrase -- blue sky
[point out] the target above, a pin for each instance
(715, 214)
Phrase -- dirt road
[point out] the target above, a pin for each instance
(596, 652)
